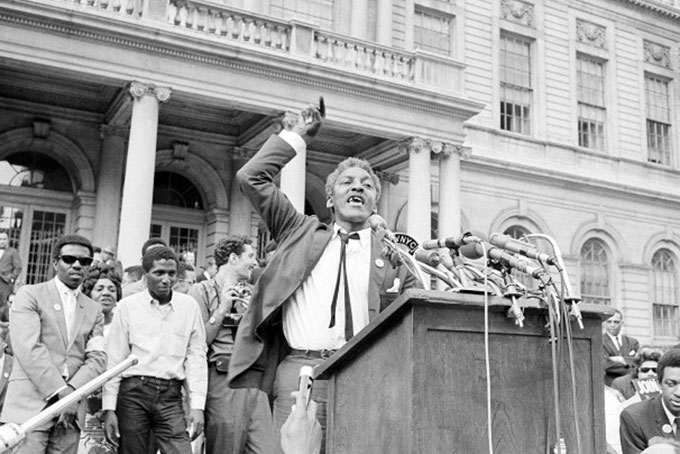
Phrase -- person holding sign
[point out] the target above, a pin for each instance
(645, 363)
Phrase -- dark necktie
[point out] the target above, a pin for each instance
(342, 274)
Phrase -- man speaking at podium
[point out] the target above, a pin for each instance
(324, 282)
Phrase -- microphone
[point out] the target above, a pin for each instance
(453, 242)
(378, 223)
(520, 247)
(430, 258)
(475, 251)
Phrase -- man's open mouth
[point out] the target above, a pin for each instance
(355, 200)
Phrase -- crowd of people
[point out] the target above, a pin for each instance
(218, 358)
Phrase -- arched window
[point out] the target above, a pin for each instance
(665, 294)
(34, 170)
(518, 232)
(172, 189)
(594, 265)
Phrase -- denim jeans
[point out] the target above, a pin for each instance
(143, 408)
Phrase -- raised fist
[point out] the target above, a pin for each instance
(306, 123)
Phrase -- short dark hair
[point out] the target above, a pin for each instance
(155, 254)
(102, 271)
(152, 242)
(669, 359)
(182, 268)
(647, 353)
(71, 239)
(135, 271)
(233, 244)
(96, 249)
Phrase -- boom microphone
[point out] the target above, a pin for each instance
(454, 242)
(476, 250)
(520, 247)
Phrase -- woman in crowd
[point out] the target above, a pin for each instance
(645, 362)
(103, 286)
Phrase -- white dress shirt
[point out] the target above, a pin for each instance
(168, 339)
(306, 314)
(69, 299)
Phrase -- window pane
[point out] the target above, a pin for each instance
(590, 79)
(658, 120)
(658, 142)
(656, 91)
(46, 229)
(34, 170)
(432, 32)
(591, 122)
(665, 307)
(594, 265)
(516, 93)
(173, 189)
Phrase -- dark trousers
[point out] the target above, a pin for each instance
(143, 407)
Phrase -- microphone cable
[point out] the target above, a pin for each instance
(487, 356)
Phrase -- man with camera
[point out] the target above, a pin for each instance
(237, 420)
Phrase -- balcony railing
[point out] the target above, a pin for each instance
(298, 39)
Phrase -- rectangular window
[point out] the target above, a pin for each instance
(591, 107)
(515, 77)
(658, 120)
(432, 32)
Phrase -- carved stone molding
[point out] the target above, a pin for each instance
(437, 147)
(41, 129)
(139, 89)
(518, 12)
(109, 130)
(243, 152)
(592, 34)
(180, 151)
(388, 177)
(451, 149)
(657, 54)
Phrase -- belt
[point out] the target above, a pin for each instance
(158, 383)
(318, 354)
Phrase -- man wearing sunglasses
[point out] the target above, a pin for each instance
(56, 334)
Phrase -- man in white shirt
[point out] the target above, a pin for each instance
(56, 335)
(324, 283)
(164, 329)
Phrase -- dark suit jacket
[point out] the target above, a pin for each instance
(42, 349)
(629, 347)
(10, 266)
(640, 422)
(4, 378)
(260, 345)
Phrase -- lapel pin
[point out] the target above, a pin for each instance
(5, 375)
(379, 263)
(57, 307)
(667, 428)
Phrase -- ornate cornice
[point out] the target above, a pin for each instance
(657, 54)
(394, 93)
(591, 34)
(657, 7)
(518, 12)
(436, 147)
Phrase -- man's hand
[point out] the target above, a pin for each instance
(195, 424)
(301, 433)
(111, 431)
(67, 417)
(306, 123)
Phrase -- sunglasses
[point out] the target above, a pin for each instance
(644, 370)
(71, 259)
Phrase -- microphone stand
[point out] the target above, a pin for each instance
(12, 434)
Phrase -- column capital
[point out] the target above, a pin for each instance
(449, 149)
(388, 177)
(115, 131)
(414, 144)
(139, 89)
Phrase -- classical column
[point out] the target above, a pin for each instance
(293, 178)
(387, 180)
(135, 213)
(240, 210)
(109, 185)
(419, 197)
(359, 19)
(384, 22)
(449, 188)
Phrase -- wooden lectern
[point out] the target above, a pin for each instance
(413, 381)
